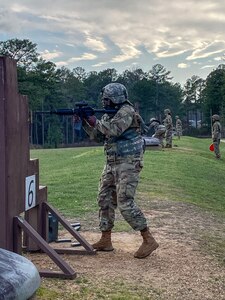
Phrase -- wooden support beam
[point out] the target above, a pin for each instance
(67, 271)
(89, 249)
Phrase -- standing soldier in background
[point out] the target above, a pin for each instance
(123, 147)
(178, 127)
(169, 128)
(216, 134)
(159, 130)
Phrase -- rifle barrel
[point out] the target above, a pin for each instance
(63, 112)
(77, 111)
(47, 112)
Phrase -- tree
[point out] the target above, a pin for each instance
(193, 98)
(80, 73)
(23, 51)
(71, 85)
(159, 75)
(130, 77)
(96, 81)
(93, 87)
(142, 95)
(170, 96)
(214, 93)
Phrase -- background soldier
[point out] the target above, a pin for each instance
(169, 128)
(124, 160)
(216, 134)
(178, 127)
(159, 130)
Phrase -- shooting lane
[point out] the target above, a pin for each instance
(24, 207)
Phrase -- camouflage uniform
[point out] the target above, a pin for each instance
(178, 127)
(124, 160)
(159, 130)
(216, 135)
(169, 128)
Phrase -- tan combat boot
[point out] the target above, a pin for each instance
(149, 244)
(105, 243)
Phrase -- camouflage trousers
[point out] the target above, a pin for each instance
(161, 137)
(168, 137)
(216, 143)
(179, 132)
(117, 188)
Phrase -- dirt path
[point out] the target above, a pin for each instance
(182, 267)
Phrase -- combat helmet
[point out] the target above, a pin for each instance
(177, 117)
(167, 111)
(116, 92)
(216, 117)
(153, 120)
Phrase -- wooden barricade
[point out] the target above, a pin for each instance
(23, 202)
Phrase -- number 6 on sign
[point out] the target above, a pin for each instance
(30, 192)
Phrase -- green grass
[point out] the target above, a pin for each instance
(71, 176)
(215, 245)
(117, 290)
(186, 173)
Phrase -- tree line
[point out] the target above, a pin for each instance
(49, 87)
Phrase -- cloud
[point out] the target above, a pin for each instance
(47, 55)
(120, 32)
(99, 64)
(163, 48)
(206, 49)
(170, 53)
(18, 8)
(85, 56)
(61, 63)
(208, 66)
(95, 44)
(129, 51)
(218, 58)
(9, 22)
(182, 66)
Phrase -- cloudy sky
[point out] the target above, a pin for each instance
(187, 37)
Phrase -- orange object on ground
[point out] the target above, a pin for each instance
(211, 147)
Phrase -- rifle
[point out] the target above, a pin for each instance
(82, 110)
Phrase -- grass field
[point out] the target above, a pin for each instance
(187, 173)
(190, 261)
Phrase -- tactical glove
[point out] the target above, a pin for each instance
(92, 121)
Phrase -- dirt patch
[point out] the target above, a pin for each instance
(181, 268)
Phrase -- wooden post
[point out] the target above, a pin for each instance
(14, 152)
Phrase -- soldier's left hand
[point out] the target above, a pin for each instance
(92, 121)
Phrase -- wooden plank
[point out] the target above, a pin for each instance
(14, 149)
(69, 228)
(3, 204)
(36, 218)
(14, 124)
(68, 272)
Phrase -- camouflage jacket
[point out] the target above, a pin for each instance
(168, 122)
(178, 124)
(158, 128)
(121, 133)
(216, 130)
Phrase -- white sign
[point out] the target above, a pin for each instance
(30, 192)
